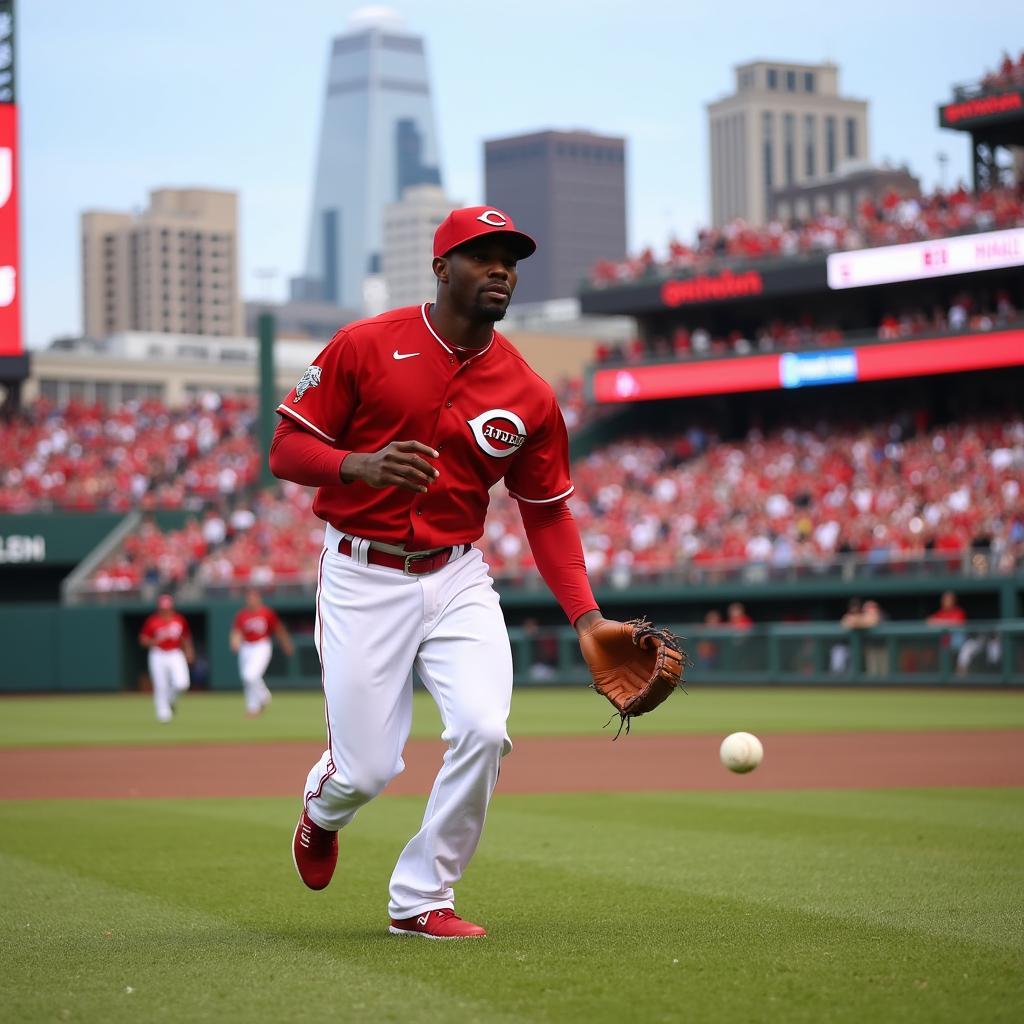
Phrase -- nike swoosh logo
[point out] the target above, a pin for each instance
(408, 355)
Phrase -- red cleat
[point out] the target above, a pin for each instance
(438, 924)
(314, 852)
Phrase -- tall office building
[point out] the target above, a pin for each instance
(785, 125)
(377, 139)
(172, 268)
(567, 190)
(408, 243)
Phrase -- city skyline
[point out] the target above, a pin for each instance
(118, 99)
(377, 138)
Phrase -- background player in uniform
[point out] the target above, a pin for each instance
(169, 640)
(404, 422)
(251, 641)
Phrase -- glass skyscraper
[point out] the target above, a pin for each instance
(377, 138)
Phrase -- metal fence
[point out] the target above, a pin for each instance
(898, 654)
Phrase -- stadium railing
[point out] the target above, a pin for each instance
(849, 339)
(847, 568)
(979, 653)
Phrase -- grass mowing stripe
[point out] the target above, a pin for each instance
(218, 717)
(98, 951)
(785, 855)
(790, 906)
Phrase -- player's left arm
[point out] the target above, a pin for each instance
(633, 664)
(282, 637)
(539, 481)
(187, 646)
(557, 549)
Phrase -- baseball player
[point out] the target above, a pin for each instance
(250, 639)
(169, 641)
(404, 422)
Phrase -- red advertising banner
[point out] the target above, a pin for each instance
(944, 355)
(10, 284)
(801, 369)
(681, 380)
(956, 115)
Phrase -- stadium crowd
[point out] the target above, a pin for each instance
(88, 458)
(883, 493)
(890, 221)
(1009, 74)
(966, 313)
(890, 492)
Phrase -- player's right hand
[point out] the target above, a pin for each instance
(398, 464)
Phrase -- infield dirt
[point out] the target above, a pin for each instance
(861, 760)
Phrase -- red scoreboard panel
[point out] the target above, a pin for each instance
(10, 302)
(10, 268)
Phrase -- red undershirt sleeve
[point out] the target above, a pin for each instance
(298, 455)
(557, 549)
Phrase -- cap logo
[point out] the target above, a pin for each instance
(493, 219)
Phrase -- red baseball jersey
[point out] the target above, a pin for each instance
(489, 416)
(256, 625)
(954, 616)
(167, 634)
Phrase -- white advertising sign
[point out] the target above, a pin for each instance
(917, 260)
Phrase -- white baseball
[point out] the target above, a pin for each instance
(741, 752)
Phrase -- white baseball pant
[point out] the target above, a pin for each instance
(373, 625)
(168, 672)
(253, 659)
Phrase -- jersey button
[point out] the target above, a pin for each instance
(447, 405)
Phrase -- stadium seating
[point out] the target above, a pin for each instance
(966, 313)
(1009, 75)
(648, 506)
(884, 493)
(141, 455)
(893, 220)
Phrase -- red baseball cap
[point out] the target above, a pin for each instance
(461, 226)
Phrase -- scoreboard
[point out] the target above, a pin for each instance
(10, 269)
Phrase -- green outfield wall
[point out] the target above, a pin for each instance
(90, 648)
(53, 538)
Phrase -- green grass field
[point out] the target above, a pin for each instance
(891, 905)
(578, 711)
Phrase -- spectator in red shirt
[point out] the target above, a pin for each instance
(738, 617)
(949, 613)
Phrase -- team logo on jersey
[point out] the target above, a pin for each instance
(498, 432)
(493, 219)
(310, 379)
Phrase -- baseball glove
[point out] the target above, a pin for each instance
(634, 664)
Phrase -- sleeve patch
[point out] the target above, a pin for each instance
(309, 379)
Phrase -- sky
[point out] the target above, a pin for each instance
(117, 97)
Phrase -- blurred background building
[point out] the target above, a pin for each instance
(171, 268)
(785, 125)
(377, 138)
(408, 243)
(300, 321)
(567, 190)
(841, 193)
